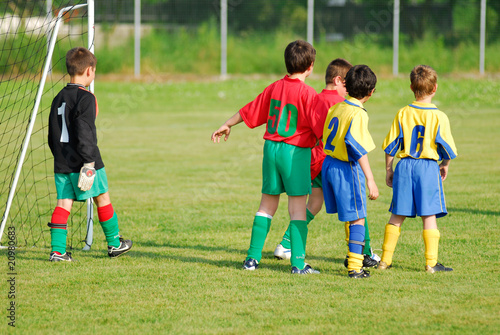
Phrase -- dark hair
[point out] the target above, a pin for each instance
(337, 67)
(360, 81)
(299, 55)
(78, 59)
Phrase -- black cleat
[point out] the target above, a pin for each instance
(368, 262)
(250, 264)
(124, 247)
(437, 268)
(361, 274)
(66, 257)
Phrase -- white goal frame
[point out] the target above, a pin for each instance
(46, 69)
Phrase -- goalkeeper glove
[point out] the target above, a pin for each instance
(87, 175)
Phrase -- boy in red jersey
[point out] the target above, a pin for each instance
(292, 129)
(78, 168)
(333, 93)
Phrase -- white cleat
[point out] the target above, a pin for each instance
(282, 253)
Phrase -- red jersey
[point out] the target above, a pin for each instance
(321, 105)
(286, 107)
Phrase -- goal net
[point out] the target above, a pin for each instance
(29, 82)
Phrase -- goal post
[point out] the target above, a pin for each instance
(16, 94)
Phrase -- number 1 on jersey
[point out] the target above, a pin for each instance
(64, 129)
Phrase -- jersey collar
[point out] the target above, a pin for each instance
(330, 92)
(422, 105)
(77, 85)
(354, 102)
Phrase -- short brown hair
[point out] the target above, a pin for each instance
(337, 67)
(299, 55)
(423, 79)
(78, 59)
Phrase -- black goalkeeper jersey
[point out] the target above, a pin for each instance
(72, 132)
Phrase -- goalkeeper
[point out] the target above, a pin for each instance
(78, 167)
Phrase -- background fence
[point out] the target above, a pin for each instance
(183, 36)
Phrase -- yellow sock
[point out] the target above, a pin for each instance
(391, 237)
(347, 232)
(355, 262)
(431, 241)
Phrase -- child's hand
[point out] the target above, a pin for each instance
(389, 175)
(372, 190)
(443, 170)
(223, 130)
(87, 175)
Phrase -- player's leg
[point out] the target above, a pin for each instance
(272, 187)
(356, 244)
(314, 204)
(430, 204)
(298, 230)
(431, 240)
(59, 221)
(260, 228)
(349, 189)
(295, 171)
(369, 259)
(58, 230)
(367, 248)
(391, 236)
(431, 237)
(402, 206)
(108, 219)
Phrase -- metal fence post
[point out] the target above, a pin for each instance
(395, 39)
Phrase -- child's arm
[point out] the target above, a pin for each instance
(389, 172)
(370, 181)
(225, 129)
(443, 168)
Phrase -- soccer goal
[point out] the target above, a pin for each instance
(34, 39)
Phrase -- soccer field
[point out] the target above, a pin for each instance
(188, 205)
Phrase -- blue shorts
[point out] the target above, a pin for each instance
(67, 186)
(417, 189)
(344, 189)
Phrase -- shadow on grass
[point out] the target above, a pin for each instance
(223, 263)
(473, 211)
(268, 261)
(265, 255)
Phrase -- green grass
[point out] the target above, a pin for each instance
(188, 204)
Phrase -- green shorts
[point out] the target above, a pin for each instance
(67, 186)
(316, 182)
(286, 168)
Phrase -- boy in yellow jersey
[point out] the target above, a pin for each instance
(422, 134)
(347, 143)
